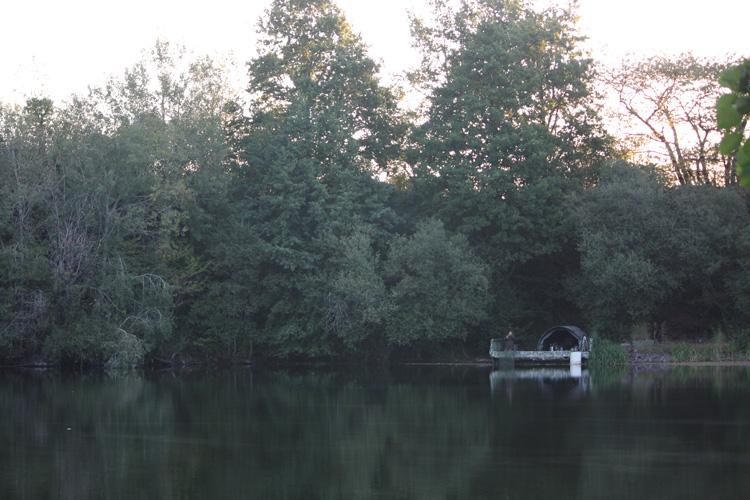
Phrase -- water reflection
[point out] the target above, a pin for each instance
(564, 384)
(408, 432)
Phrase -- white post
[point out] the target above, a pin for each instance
(575, 358)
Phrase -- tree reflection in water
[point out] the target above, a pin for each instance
(408, 432)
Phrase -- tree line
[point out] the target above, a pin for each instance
(167, 215)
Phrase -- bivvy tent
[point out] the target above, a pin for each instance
(563, 338)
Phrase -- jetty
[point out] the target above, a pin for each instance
(560, 345)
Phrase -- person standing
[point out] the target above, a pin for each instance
(510, 341)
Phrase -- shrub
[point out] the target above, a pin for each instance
(126, 351)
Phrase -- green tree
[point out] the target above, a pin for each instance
(622, 225)
(101, 204)
(358, 305)
(320, 127)
(510, 130)
(437, 288)
(657, 254)
(314, 71)
(24, 273)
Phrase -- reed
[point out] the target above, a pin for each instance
(685, 352)
(606, 353)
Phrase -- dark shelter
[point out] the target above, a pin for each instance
(563, 338)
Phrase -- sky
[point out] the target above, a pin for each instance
(57, 48)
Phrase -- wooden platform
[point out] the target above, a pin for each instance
(532, 357)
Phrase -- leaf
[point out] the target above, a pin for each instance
(730, 143)
(727, 116)
(743, 84)
(743, 155)
(744, 176)
(743, 164)
(731, 78)
(742, 105)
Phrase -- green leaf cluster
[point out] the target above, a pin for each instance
(732, 112)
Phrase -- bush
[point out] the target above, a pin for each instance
(126, 351)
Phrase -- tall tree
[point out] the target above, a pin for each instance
(313, 70)
(510, 128)
(166, 118)
(321, 126)
(666, 113)
(25, 135)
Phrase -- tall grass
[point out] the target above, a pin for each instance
(739, 338)
(607, 353)
(685, 352)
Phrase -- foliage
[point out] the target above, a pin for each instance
(648, 251)
(620, 283)
(439, 290)
(158, 215)
(510, 129)
(358, 304)
(509, 124)
(313, 77)
(732, 112)
(703, 352)
(740, 340)
(98, 197)
(606, 353)
(298, 240)
(126, 351)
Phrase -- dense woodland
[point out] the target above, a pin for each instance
(325, 214)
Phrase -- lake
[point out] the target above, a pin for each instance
(408, 432)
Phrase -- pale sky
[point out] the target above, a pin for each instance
(57, 48)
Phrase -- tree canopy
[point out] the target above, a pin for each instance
(510, 128)
(166, 215)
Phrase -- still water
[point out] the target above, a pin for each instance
(398, 433)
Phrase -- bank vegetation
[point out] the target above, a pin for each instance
(319, 215)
